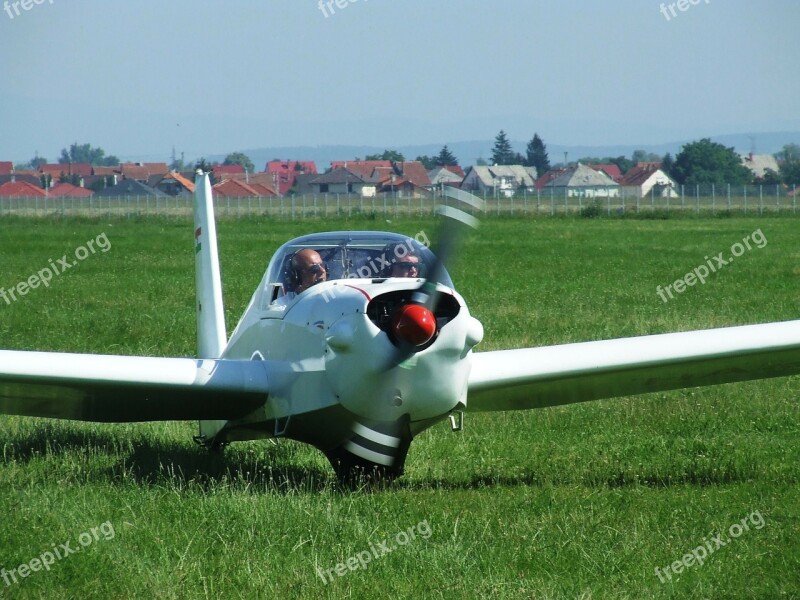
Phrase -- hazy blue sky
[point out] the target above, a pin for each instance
(210, 77)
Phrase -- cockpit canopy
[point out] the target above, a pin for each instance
(353, 255)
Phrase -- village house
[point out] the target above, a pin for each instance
(505, 180)
(647, 179)
(759, 163)
(582, 181)
(344, 181)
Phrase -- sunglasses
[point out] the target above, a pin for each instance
(315, 269)
(407, 266)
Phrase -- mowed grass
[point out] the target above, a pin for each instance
(577, 501)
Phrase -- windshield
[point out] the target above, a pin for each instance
(356, 255)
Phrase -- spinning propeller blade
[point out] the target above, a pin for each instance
(414, 324)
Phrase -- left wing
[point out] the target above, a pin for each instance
(90, 387)
(549, 376)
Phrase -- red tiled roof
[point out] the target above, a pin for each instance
(383, 174)
(6, 167)
(640, 173)
(20, 188)
(234, 189)
(455, 169)
(68, 190)
(134, 171)
(611, 170)
(56, 169)
(156, 168)
(362, 168)
(265, 180)
(225, 171)
(141, 171)
(180, 179)
(415, 172)
(309, 167)
(262, 189)
(106, 170)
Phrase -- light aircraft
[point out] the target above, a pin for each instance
(359, 364)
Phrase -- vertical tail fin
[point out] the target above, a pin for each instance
(211, 336)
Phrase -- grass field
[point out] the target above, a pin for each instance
(578, 501)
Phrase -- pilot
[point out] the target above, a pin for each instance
(307, 269)
(404, 261)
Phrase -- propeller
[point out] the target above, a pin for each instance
(414, 323)
(376, 450)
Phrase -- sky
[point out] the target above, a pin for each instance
(141, 78)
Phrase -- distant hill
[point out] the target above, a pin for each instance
(470, 151)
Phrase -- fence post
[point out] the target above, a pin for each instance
(744, 187)
(713, 198)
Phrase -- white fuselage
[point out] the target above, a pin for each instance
(323, 350)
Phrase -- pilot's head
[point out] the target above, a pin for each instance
(404, 260)
(308, 269)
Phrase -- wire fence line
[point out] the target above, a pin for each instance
(611, 201)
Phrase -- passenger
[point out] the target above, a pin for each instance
(404, 260)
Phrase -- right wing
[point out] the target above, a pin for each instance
(91, 387)
(552, 375)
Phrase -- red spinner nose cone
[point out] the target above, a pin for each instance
(415, 324)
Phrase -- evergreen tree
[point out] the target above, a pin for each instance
(537, 155)
(502, 153)
(446, 158)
